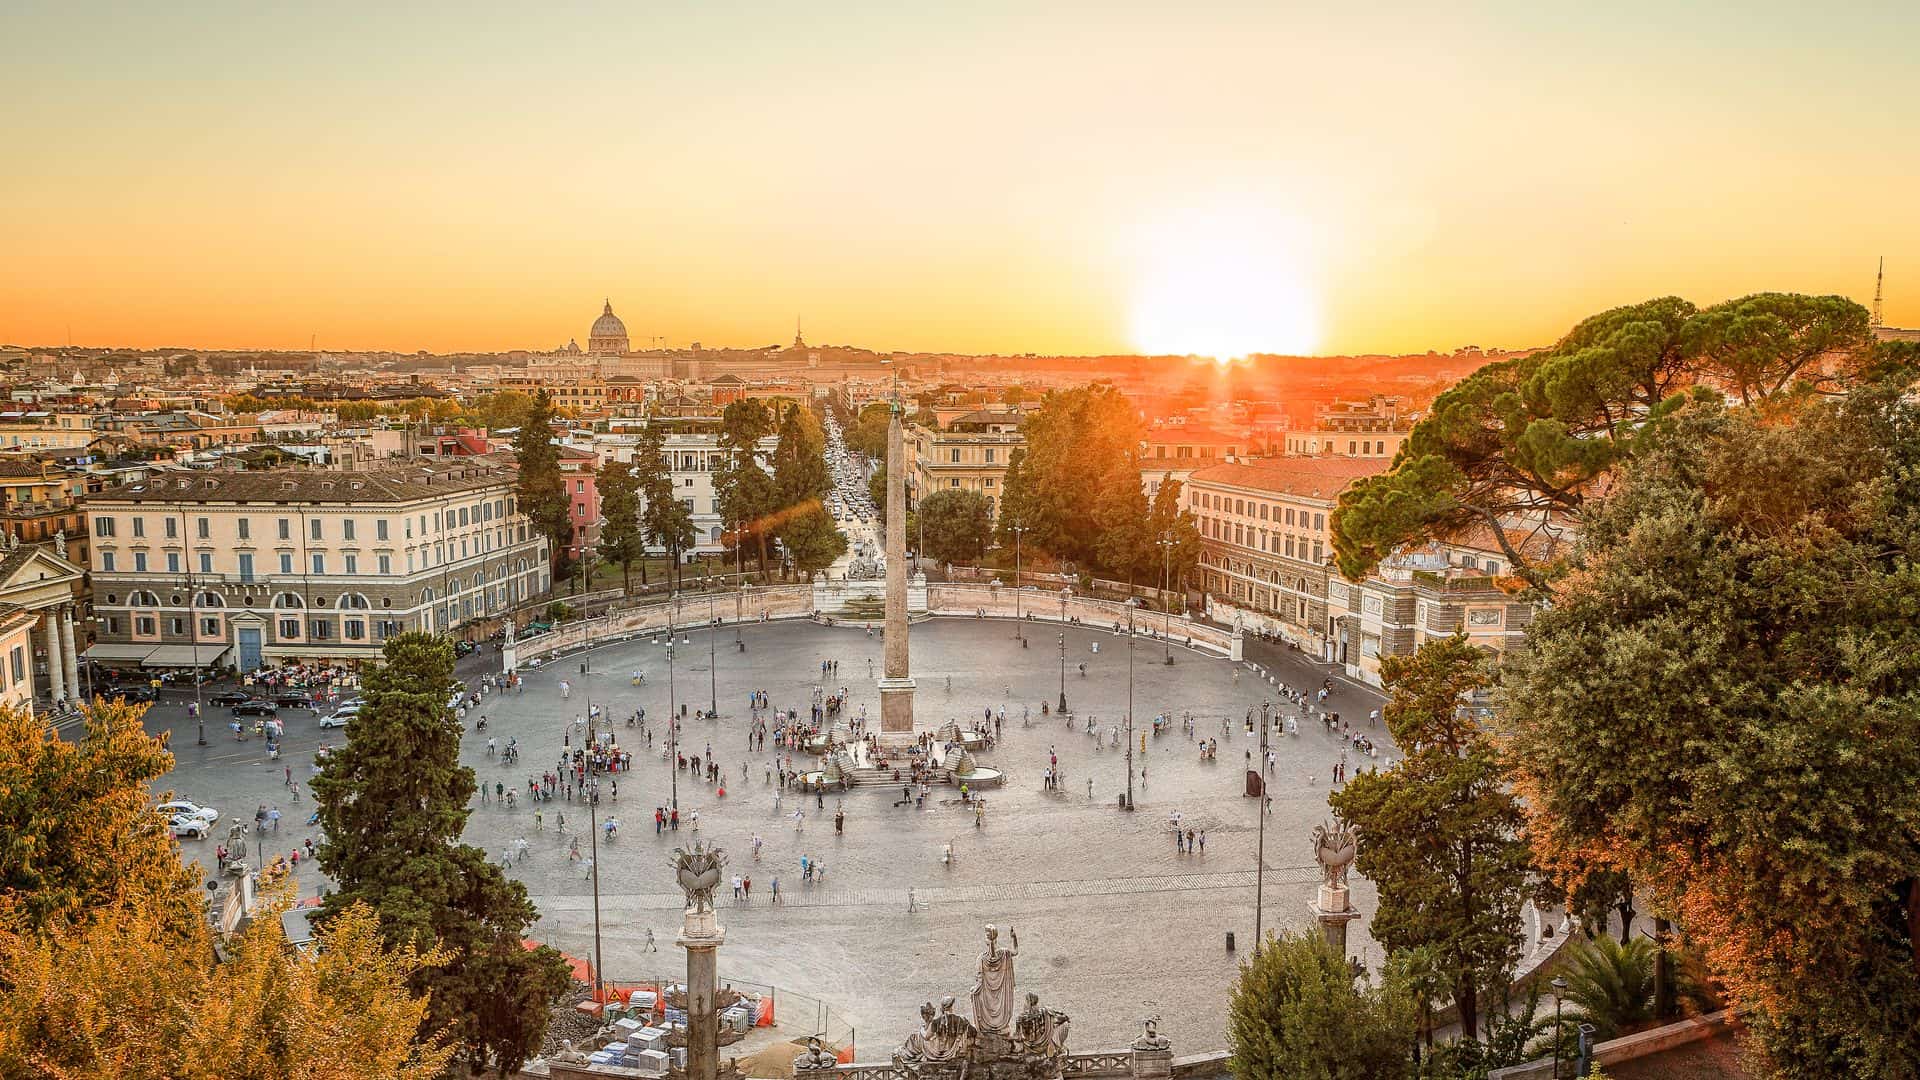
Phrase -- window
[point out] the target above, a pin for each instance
(579, 487)
(172, 528)
(106, 562)
(246, 528)
(286, 562)
(380, 529)
(955, 482)
(210, 627)
(246, 566)
(987, 482)
(113, 625)
(346, 529)
(200, 528)
(1319, 522)
(1317, 554)
(956, 455)
(17, 660)
(319, 563)
(1350, 446)
(353, 564)
(206, 562)
(139, 526)
(289, 629)
(144, 625)
(386, 564)
(103, 526)
(317, 630)
(354, 629)
(173, 562)
(313, 528)
(176, 626)
(139, 562)
(286, 529)
(989, 453)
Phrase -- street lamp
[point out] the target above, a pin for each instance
(673, 717)
(1017, 530)
(1064, 593)
(713, 666)
(1129, 708)
(1166, 605)
(1559, 990)
(593, 844)
(1260, 846)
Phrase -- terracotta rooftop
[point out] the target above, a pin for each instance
(310, 485)
(1323, 478)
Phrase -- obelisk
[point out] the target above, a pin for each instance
(896, 685)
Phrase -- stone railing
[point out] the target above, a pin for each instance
(1043, 605)
(1103, 1065)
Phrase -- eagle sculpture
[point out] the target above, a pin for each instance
(698, 870)
(1335, 844)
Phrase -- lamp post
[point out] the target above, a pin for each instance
(1064, 593)
(1260, 845)
(1129, 708)
(1017, 530)
(673, 713)
(739, 609)
(1559, 988)
(713, 665)
(1166, 605)
(593, 844)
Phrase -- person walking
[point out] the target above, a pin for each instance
(651, 947)
(776, 891)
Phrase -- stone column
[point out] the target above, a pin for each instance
(701, 935)
(896, 688)
(68, 653)
(56, 667)
(1333, 910)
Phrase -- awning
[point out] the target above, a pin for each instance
(119, 650)
(185, 655)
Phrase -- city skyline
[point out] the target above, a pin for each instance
(1079, 181)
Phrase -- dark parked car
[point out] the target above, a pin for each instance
(229, 698)
(255, 708)
(293, 701)
(133, 695)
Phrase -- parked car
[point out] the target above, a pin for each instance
(293, 701)
(132, 695)
(185, 826)
(183, 808)
(338, 719)
(230, 698)
(255, 708)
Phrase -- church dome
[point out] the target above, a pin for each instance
(609, 334)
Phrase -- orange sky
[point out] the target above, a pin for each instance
(1089, 178)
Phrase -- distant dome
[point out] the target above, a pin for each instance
(609, 334)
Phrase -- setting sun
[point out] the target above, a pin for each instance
(1224, 284)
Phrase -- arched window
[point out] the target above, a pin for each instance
(208, 598)
(142, 598)
(288, 601)
(353, 601)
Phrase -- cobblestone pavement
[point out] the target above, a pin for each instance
(1114, 923)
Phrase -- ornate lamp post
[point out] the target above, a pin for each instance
(1166, 605)
(1065, 592)
(593, 844)
(673, 714)
(1260, 846)
(1129, 708)
(1017, 530)
(1559, 989)
(713, 666)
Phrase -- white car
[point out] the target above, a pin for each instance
(186, 825)
(183, 808)
(338, 719)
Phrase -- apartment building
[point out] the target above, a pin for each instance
(1373, 428)
(694, 459)
(246, 569)
(970, 454)
(1174, 451)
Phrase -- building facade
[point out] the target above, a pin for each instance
(249, 569)
(969, 454)
(1374, 428)
(1264, 541)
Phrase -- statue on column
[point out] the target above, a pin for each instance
(993, 990)
(697, 869)
(1334, 846)
(60, 544)
(509, 630)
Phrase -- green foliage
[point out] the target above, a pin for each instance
(800, 459)
(1078, 479)
(622, 537)
(665, 520)
(1296, 1011)
(1169, 520)
(955, 525)
(811, 538)
(393, 802)
(748, 497)
(1539, 434)
(868, 432)
(542, 494)
(1725, 700)
(1457, 891)
(1611, 983)
(502, 409)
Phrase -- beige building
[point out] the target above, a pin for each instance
(45, 431)
(1264, 541)
(1174, 451)
(1374, 428)
(16, 658)
(39, 609)
(969, 454)
(247, 569)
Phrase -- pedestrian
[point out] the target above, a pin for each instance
(746, 886)
(1203, 841)
(274, 816)
(651, 947)
(776, 891)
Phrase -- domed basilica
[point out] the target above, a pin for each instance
(609, 334)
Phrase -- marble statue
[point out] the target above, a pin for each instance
(952, 1035)
(993, 990)
(698, 870)
(1151, 1039)
(60, 544)
(510, 628)
(13, 542)
(1335, 844)
(1042, 1032)
(815, 1057)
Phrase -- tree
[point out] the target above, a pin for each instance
(956, 525)
(1610, 983)
(811, 538)
(541, 491)
(800, 460)
(393, 803)
(746, 492)
(1296, 1012)
(1169, 520)
(1530, 439)
(1723, 703)
(1082, 445)
(77, 827)
(1124, 547)
(664, 519)
(1440, 832)
(622, 537)
(503, 409)
(868, 433)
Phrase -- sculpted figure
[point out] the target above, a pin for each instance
(993, 991)
(1151, 1039)
(1042, 1032)
(1334, 846)
(698, 870)
(952, 1036)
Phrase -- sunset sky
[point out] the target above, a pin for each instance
(980, 177)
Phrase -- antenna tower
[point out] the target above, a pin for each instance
(1879, 278)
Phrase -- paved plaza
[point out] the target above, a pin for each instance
(1114, 923)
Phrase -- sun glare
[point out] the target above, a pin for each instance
(1224, 285)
